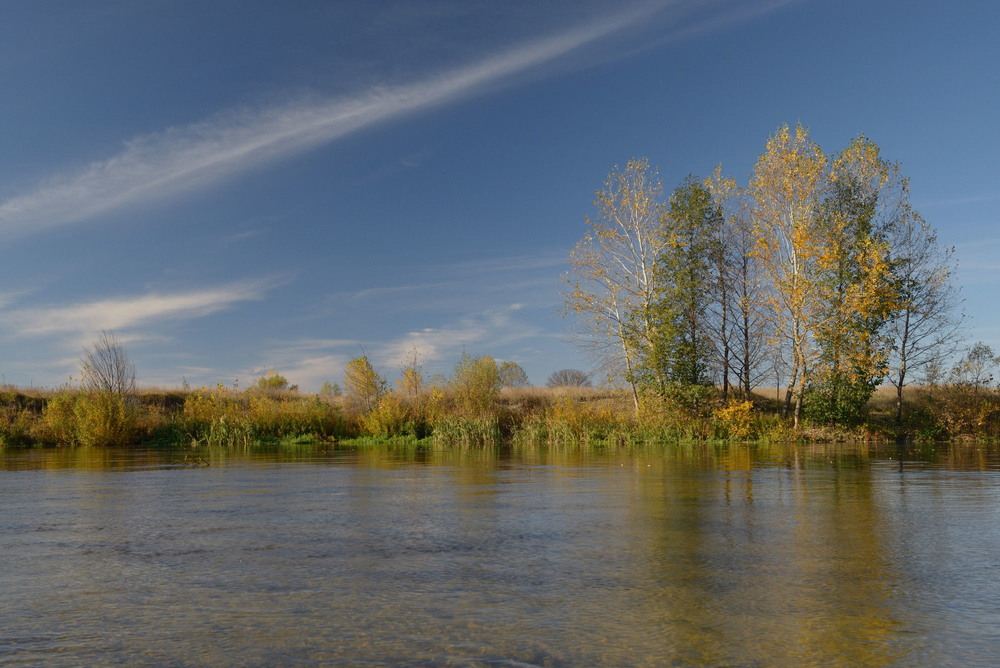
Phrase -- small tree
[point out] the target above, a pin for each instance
(512, 375)
(975, 369)
(330, 390)
(411, 374)
(364, 386)
(476, 384)
(106, 368)
(968, 403)
(568, 378)
(272, 381)
(106, 413)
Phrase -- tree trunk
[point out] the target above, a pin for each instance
(789, 390)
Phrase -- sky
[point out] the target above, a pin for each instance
(236, 186)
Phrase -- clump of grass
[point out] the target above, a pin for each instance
(228, 418)
(468, 430)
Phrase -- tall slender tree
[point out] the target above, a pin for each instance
(787, 189)
(736, 322)
(684, 348)
(612, 286)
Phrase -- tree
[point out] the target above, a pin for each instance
(328, 390)
(682, 349)
(787, 187)
(612, 275)
(968, 402)
(975, 369)
(738, 318)
(106, 368)
(272, 381)
(363, 385)
(106, 414)
(411, 373)
(568, 378)
(926, 326)
(512, 375)
(476, 384)
(855, 293)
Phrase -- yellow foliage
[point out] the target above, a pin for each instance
(91, 418)
(736, 419)
(392, 417)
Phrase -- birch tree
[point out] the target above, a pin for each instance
(787, 187)
(612, 287)
(411, 374)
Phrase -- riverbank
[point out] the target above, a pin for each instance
(224, 416)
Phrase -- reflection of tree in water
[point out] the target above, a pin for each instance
(773, 565)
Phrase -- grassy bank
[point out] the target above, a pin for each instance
(565, 416)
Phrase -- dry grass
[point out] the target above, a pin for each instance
(526, 414)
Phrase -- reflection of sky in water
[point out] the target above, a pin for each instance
(697, 556)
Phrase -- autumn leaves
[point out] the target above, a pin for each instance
(804, 277)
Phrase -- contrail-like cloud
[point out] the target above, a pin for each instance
(186, 158)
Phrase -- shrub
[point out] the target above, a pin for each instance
(272, 381)
(59, 419)
(104, 418)
(735, 420)
(89, 418)
(476, 385)
(16, 426)
(568, 378)
(396, 416)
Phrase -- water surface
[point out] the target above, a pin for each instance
(663, 556)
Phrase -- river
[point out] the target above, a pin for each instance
(687, 556)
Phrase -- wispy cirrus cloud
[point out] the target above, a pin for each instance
(123, 313)
(182, 159)
(532, 279)
(496, 327)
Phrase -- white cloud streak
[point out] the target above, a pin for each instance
(129, 312)
(186, 158)
(495, 327)
(532, 279)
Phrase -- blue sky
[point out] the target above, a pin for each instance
(240, 185)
